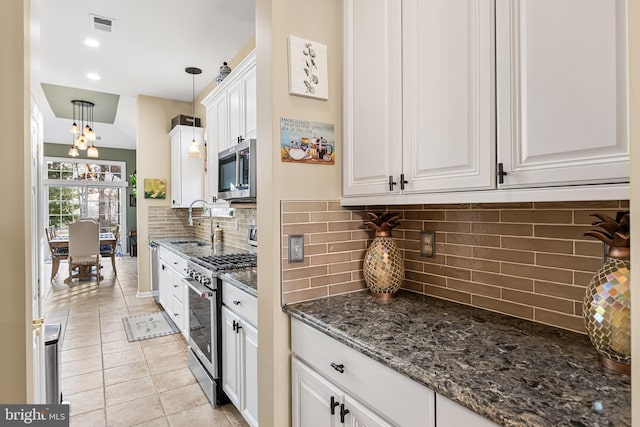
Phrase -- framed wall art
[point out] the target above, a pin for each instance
(303, 141)
(308, 75)
(155, 188)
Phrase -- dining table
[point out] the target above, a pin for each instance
(62, 241)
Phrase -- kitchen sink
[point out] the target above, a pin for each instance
(188, 242)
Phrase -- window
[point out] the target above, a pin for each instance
(81, 189)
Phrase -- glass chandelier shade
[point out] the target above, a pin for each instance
(85, 130)
(194, 147)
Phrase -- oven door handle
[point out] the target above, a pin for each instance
(198, 288)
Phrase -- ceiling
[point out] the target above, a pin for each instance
(150, 44)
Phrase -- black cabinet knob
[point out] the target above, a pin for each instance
(339, 368)
(333, 405)
(343, 412)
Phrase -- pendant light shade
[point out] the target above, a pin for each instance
(85, 130)
(194, 147)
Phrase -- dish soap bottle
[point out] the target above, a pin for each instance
(217, 234)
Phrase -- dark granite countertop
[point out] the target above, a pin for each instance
(245, 279)
(191, 247)
(512, 371)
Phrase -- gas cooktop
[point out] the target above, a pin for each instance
(226, 262)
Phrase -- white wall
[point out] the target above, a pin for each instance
(319, 21)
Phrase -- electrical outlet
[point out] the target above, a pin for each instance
(428, 244)
(296, 248)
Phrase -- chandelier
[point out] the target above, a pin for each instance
(83, 135)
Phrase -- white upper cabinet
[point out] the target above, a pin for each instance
(231, 115)
(372, 110)
(447, 79)
(418, 96)
(186, 172)
(562, 91)
(441, 95)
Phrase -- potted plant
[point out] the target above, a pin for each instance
(134, 189)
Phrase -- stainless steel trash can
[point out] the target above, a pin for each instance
(52, 362)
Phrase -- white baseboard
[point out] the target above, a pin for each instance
(147, 294)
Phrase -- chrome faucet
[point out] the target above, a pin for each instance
(191, 210)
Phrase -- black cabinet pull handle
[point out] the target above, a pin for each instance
(343, 412)
(236, 302)
(501, 173)
(391, 183)
(333, 405)
(402, 181)
(339, 368)
(235, 325)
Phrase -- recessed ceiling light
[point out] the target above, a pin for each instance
(93, 76)
(91, 42)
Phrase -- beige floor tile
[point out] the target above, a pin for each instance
(114, 336)
(173, 379)
(83, 341)
(182, 398)
(85, 401)
(152, 353)
(200, 416)
(118, 346)
(124, 373)
(158, 341)
(107, 328)
(80, 353)
(233, 415)
(122, 358)
(83, 382)
(128, 391)
(169, 363)
(158, 422)
(135, 412)
(84, 331)
(80, 367)
(94, 419)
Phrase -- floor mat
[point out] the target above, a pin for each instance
(147, 326)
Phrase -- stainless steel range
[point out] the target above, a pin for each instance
(205, 328)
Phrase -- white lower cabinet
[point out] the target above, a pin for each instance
(172, 292)
(333, 386)
(240, 356)
(367, 393)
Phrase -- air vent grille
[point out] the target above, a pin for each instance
(101, 23)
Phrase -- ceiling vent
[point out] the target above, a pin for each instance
(101, 23)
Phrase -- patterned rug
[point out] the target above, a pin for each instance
(147, 326)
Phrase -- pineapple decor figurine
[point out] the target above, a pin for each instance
(607, 303)
(383, 266)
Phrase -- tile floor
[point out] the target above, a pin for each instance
(112, 382)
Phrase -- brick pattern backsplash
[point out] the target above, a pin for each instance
(529, 260)
(166, 222)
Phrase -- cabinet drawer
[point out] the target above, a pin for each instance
(178, 313)
(394, 396)
(240, 302)
(172, 259)
(178, 289)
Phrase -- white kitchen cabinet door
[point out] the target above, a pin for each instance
(372, 96)
(250, 104)
(235, 112)
(230, 356)
(448, 105)
(187, 173)
(450, 414)
(164, 284)
(216, 140)
(562, 91)
(311, 398)
(361, 416)
(249, 374)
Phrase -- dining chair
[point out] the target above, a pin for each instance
(57, 254)
(110, 251)
(84, 249)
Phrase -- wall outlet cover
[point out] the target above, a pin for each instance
(428, 244)
(296, 248)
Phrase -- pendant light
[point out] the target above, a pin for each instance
(85, 117)
(194, 148)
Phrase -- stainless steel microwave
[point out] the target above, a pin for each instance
(237, 172)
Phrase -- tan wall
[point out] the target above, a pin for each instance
(15, 253)
(153, 160)
(634, 73)
(277, 181)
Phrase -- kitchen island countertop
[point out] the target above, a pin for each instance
(511, 371)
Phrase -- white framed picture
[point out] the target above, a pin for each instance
(308, 68)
